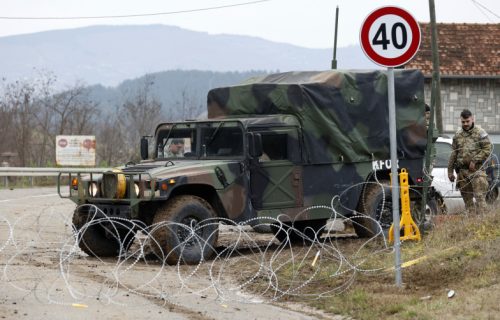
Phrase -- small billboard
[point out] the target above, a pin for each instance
(75, 151)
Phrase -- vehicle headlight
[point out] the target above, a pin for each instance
(136, 189)
(93, 189)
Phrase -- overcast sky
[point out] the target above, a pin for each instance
(308, 23)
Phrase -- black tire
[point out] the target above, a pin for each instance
(175, 243)
(104, 237)
(376, 204)
(305, 231)
(432, 209)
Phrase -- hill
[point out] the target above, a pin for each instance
(108, 55)
(182, 93)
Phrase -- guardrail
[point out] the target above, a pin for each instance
(42, 172)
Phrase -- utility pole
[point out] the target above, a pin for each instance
(334, 61)
(436, 78)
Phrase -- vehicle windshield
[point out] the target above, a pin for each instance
(200, 140)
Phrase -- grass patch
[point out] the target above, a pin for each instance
(461, 253)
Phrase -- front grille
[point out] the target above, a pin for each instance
(122, 211)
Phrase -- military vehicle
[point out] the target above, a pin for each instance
(295, 146)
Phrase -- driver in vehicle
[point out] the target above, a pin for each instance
(175, 149)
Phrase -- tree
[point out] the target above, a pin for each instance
(138, 115)
(69, 112)
(19, 105)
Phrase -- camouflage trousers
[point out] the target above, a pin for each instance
(473, 184)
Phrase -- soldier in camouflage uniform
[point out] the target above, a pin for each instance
(175, 149)
(470, 149)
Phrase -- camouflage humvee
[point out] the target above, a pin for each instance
(272, 147)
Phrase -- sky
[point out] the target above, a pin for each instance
(306, 23)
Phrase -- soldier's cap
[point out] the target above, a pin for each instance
(177, 141)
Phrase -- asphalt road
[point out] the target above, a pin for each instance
(45, 276)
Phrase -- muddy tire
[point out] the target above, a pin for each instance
(101, 237)
(432, 209)
(184, 231)
(376, 204)
(304, 232)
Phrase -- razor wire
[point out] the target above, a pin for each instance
(245, 267)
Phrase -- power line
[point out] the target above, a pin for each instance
(135, 15)
(479, 6)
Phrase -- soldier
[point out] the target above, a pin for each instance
(175, 149)
(471, 147)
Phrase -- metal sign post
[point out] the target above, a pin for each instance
(390, 37)
(394, 173)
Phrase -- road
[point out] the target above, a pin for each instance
(45, 276)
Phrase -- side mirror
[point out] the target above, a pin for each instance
(254, 144)
(144, 148)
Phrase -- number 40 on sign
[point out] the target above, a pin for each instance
(390, 36)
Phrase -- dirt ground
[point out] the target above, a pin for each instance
(45, 276)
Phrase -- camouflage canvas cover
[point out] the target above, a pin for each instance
(344, 113)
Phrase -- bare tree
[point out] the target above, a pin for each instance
(110, 150)
(19, 102)
(66, 112)
(6, 126)
(187, 107)
(138, 115)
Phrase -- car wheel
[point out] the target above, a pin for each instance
(374, 213)
(101, 237)
(184, 231)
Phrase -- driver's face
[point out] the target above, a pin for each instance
(467, 123)
(177, 147)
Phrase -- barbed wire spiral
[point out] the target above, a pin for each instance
(245, 266)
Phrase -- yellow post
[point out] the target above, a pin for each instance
(410, 228)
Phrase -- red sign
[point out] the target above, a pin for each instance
(63, 143)
(390, 36)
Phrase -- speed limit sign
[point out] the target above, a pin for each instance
(390, 36)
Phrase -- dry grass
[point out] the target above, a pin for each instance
(461, 253)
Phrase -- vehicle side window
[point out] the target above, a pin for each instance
(443, 152)
(274, 146)
(280, 145)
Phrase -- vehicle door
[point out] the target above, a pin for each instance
(276, 178)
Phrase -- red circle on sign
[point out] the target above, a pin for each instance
(87, 143)
(63, 143)
(406, 55)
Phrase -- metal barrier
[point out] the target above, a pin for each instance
(7, 172)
